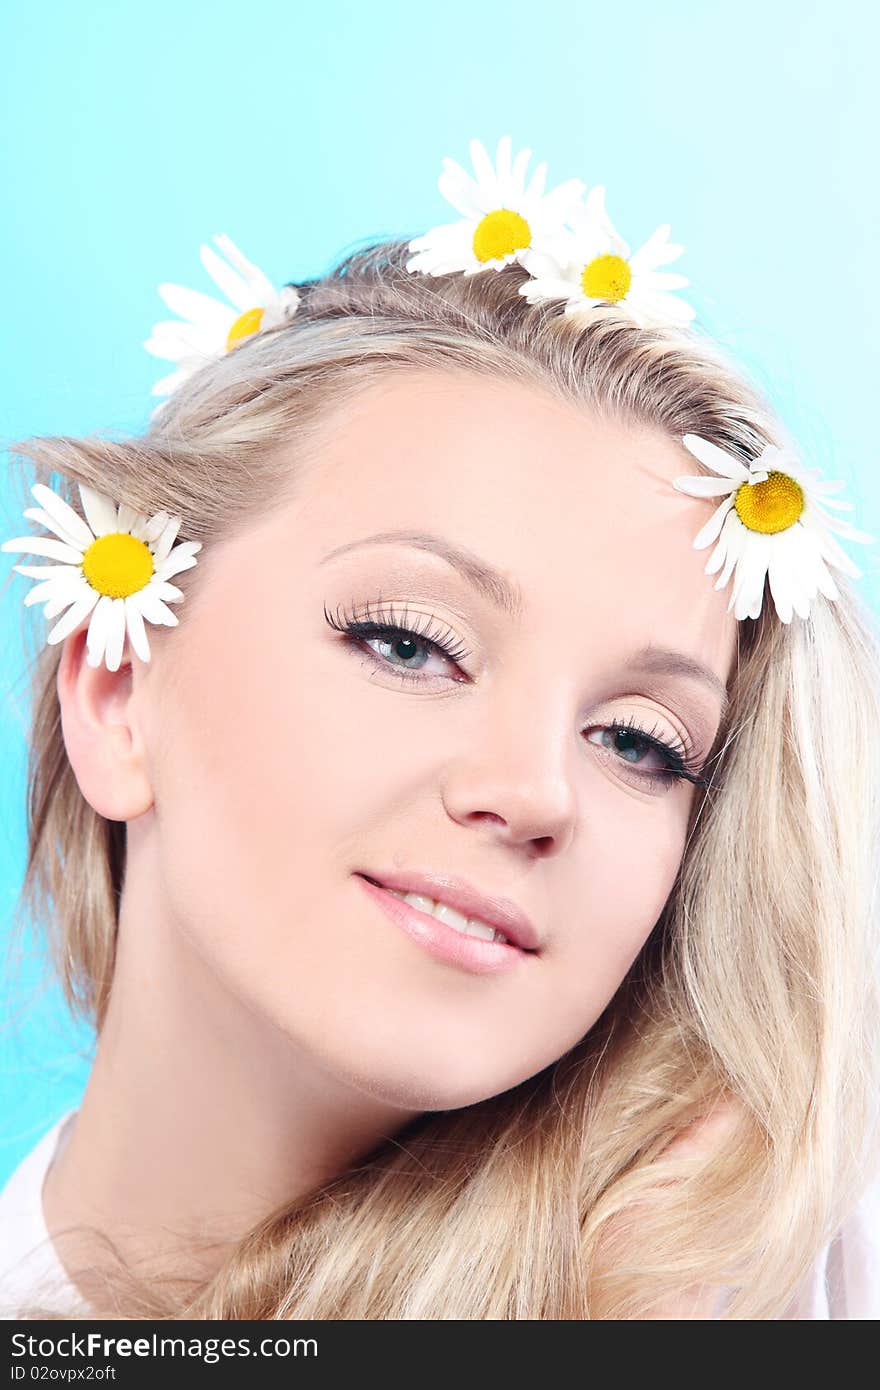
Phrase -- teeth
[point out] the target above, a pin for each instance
(468, 926)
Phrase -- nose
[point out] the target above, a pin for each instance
(519, 777)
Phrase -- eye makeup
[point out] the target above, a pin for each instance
(406, 634)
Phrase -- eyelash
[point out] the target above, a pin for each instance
(680, 766)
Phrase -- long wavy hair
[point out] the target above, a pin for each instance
(758, 982)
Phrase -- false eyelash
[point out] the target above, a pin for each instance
(681, 765)
(375, 624)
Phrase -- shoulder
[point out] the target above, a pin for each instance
(27, 1256)
(844, 1280)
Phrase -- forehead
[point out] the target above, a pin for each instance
(573, 508)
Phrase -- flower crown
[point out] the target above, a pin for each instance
(771, 521)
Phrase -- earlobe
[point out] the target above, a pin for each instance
(102, 732)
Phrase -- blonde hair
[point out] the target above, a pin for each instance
(759, 980)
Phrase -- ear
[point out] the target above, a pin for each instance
(100, 715)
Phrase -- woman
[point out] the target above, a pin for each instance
(448, 635)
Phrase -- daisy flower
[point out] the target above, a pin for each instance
(208, 328)
(115, 568)
(772, 522)
(595, 269)
(502, 217)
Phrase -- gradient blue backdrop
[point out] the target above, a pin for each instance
(132, 132)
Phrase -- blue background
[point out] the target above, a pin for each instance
(131, 133)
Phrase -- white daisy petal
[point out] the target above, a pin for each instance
(593, 217)
(115, 634)
(485, 172)
(700, 486)
(127, 518)
(154, 527)
(829, 501)
(780, 588)
(848, 532)
(564, 198)
(749, 577)
(664, 308)
(68, 589)
(136, 631)
(73, 617)
(518, 172)
(180, 341)
(721, 552)
(824, 579)
(64, 514)
(259, 282)
(166, 540)
(101, 512)
(733, 534)
(548, 287)
(44, 519)
(826, 484)
(97, 634)
(154, 610)
(44, 571)
(236, 289)
(663, 280)
(42, 545)
(832, 552)
(459, 189)
(199, 308)
(181, 558)
(163, 590)
(707, 533)
(535, 189)
(656, 251)
(715, 458)
(289, 300)
(463, 201)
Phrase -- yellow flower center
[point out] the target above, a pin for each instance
(607, 278)
(246, 324)
(499, 233)
(771, 506)
(118, 564)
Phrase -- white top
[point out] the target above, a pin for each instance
(28, 1263)
(844, 1281)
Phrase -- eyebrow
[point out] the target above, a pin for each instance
(501, 591)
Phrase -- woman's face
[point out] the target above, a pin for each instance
(291, 760)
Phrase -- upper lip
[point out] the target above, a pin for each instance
(501, 913)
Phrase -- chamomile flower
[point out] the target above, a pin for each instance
(772, 522)
(115, 566)
(502, 217)
(208, 328)
(596, 275)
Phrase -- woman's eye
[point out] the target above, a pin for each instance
(407, 651)
(630, 746)
(402, 648)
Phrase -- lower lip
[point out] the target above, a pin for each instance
(444, 942)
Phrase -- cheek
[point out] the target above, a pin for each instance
(269, 795)
(617, 893)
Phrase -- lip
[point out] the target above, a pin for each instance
(444, 942)
(498, 912)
